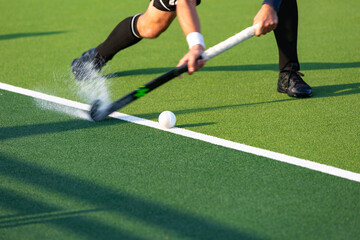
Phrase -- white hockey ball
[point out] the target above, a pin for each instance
(167, 119)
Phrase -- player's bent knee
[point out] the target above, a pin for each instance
(151, 33)
(152, 25)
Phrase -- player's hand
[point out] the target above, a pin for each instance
(266, 19)
(191, 58)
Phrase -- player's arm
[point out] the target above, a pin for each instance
(267, 18)
(190, 24)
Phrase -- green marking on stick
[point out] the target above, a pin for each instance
(141, 91)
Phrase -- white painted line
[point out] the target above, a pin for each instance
(198, 136)
(43, 96)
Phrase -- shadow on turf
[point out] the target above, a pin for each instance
(205, 109)
(318, 92)
(194, 124)
(32, 34)
(254, 67)
(55, 127)
(105, 199)
(40, 213)
(336, 90)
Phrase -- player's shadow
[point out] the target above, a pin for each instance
(207, 109)
(192, 124)
(307, 66)
(336, 90)
(30, 34)
(318, 92)
(104, 199)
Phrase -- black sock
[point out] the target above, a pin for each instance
(124, 35)
(286, 34)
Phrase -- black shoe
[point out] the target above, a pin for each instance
(290, 82)
(90, 61)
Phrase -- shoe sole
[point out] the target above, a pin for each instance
(294, 94)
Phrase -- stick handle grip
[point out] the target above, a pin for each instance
(229, 43)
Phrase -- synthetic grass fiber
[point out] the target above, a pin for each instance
(64, 177)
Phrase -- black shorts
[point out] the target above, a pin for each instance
(168, 5)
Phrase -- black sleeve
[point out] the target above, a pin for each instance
(274, 3)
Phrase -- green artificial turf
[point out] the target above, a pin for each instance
(62, 176)
(65, 177)
(233, 97)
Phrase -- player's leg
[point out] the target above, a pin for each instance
(132, 29)
(155, 21)
(127, 33)
(286, 34)
(123, 36)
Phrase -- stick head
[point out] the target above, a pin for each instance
(96, 113)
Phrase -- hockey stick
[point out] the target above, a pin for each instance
(99, 113)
